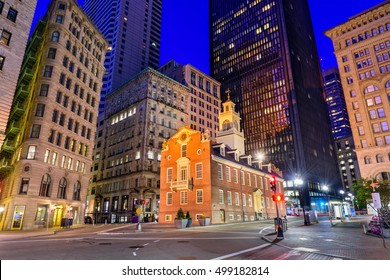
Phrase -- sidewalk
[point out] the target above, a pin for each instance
(344, 240)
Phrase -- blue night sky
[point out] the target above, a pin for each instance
(184, 34)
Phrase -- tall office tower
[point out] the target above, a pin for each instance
(362, 49)
(47, 153)
(264, 52)
(15, 23)
(139, 117)
(132, 29)
(204, 103)
(341, 128)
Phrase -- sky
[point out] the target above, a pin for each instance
(185, 37)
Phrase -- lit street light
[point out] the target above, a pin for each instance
(326, 188)
(298, 182)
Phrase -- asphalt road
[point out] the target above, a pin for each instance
(242, 241)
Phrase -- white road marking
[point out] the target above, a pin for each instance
(330, 240)
(134, 254)
(242, 252)
(155, 241)
(146, 244)
(306, 249)
(261, 231)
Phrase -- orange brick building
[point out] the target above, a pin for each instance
(216, 180)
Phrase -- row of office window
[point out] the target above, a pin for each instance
(46, 188)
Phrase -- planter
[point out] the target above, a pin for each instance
(181, 223)
(204, 221)
(189, 223)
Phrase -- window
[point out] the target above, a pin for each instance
(385, 126)
(54, 158)
(48, 71)
(236, 198)
(52, 53)
(5, 37)
(55, 36)
(361, 130)
(199, 170)
(183, 197)
(250, 200)
(352, 93)
(169, 174)
(1, 6)
(62, 188)
(228, 173)
(358, 117)
(169, 198)
(40, 110)
(45, 186)
(59, 19)
(184, 150)
(77, 191)
(24, 185)
(235, 176)
(243, 199)
(199, 196)
(35, 131)
(31, 152)
(379, 159)
(2, 59)
(381, 113)
(379, 141)
(44, 90)
(242, 178)
(220, 197)
(376, 128)
(220, 176)
(12, 14)
(373, 114)
(229, 198)
(355, 105)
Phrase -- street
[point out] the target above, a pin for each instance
(250, 240)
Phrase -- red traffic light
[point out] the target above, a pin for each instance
(278, 197)
(143, 201)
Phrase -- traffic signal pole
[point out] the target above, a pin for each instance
(277, 198)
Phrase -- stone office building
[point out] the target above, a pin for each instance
(47, 153)
(140, 115)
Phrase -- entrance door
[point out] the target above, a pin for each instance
(58, 213)
(222, 215)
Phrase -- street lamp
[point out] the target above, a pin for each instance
(326, 188)
(342, 204)
(298, 182)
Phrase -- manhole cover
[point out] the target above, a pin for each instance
(105, 243)
(136, 247)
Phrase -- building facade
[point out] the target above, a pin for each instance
(362, 48)
(132, 29)
(204, 103)
(47, 153)
(212, 179)
(140, 116)
(341, 128)
(15, 23)
(264, 52)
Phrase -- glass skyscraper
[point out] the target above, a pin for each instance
(132, 29)
(264, 52)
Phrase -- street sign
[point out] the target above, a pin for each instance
(376, 200)
(138, 211)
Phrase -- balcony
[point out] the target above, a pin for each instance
(9, 146)
(29, 60)
(13, 129)
(182, 185)
(5, 166)
(21, 93)
(26, 76)
(17, 111)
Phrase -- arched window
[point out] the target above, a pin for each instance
(226, 125)
(76, 191)
(45, 186)
(367, 160)
(62, 188)
(379, 158)
(55, 36)
(370, 88)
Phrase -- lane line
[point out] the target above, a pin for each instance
(242, 252)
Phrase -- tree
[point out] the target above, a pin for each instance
(364, 189)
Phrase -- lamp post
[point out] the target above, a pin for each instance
(298, 182)
(326, 188)
(342, 204)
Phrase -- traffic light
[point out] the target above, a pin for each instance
(278, 197)
(272, 182)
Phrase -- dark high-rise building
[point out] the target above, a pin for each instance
(265, 53)
(338, 114)
(132, 29)
(341, 128)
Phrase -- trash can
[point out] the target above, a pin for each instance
(284, 224)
